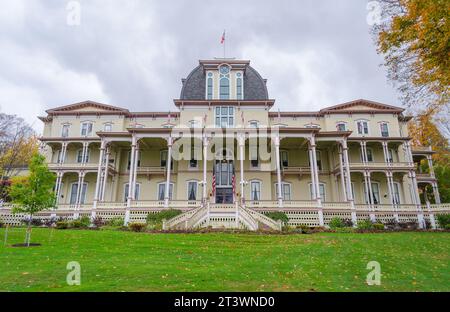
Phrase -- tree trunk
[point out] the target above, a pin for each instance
(28, 235)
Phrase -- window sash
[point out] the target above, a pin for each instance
(255, 190)
(162, 192)
(285, 191)
(65, 131)
(384, 130)
(86, 129)
(192, 190)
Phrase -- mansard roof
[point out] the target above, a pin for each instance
(194, 86)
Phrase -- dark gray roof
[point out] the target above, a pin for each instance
(194, 85)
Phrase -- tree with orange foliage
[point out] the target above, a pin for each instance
(414, 38)
(18, 143)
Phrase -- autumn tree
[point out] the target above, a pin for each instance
(35, 192)
(414, 38)
(424, 131)
(18, 143)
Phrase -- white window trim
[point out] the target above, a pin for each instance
(125, 187)
(164, 183)
(260, 188)
(82, 125)
(253, 121)
(206, 85)
(399, 187)
(282, 189)
(187, 189)
(379, 191)
(88, 155)
(368, 127)
(387, 125)
(324, 191)
(62, 130)
(82, 200)
(108, 124)
(344, 123)
(242, 85)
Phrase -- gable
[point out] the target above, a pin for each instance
(363, 106)
(86, 106)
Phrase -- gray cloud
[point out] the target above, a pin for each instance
(134, 53)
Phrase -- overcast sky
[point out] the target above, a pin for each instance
(134, 53)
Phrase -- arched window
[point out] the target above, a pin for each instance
(239, 88)
(224, 89)
(210, 89)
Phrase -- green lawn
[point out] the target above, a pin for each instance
(125, 261)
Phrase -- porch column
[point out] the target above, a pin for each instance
(430, 165)
(205, 167)
(316, 179)
(430, 212)
(59, 179)
(277, 158)
(131, 176)
(99, 176)
(84, 153)
(341, 169)
(79, 194)
(62, 156)
(348, 180)
(241, 141)
(390, 184)
(437, 197)
(415, 189)
(135, 170)
(106, 172)
(371, 199)
(385, 152)
(169, 162)
(363, 152)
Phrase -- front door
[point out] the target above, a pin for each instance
(224, 171)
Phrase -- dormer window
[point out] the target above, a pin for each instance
(224, 70)
(224, 88)
(86, 129)
(209, 87)
(363, 127)
(239, 93)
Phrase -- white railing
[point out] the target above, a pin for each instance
(247, 219)
(85, 166)
(403, 165)
(197, 218)
(440, 207)
(286, 204)
(222, 207)
(151, 170)
(331, 205)
(182, 218)
(259, 217)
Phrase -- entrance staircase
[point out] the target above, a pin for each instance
(222, 216)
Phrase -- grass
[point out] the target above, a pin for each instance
(126, 261)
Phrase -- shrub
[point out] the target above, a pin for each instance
(156, 218)
(62, 225)
(378, 226)
(2, 224)
(278, 215)
(85, 221)
(444, 220)
(365, 225)
(98, 222)
(336, 223)
(137, 227)
(118, 221)
(447, 227)
(303, 229)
